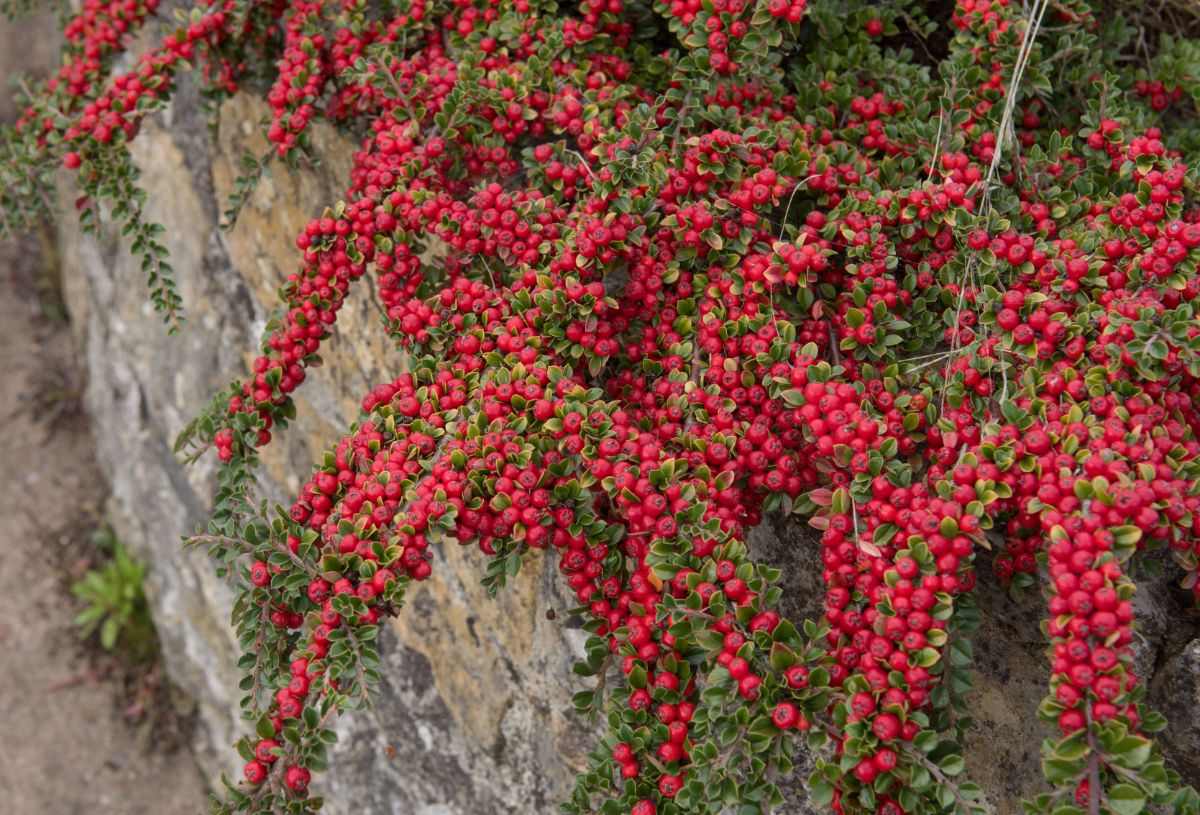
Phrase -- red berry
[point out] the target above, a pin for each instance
(255, 772)
(297, 779)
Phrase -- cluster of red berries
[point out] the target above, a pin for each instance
(303, 71)
(119, 109)
(97, 33)
(1160, 95)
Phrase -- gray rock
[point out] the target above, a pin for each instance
(1175, 692)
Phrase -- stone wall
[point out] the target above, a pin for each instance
(475, 716)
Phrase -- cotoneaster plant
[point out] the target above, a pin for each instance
(924, 274)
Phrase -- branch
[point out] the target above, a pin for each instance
(942, 779)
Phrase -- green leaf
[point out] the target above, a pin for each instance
(264, 728)
(820, 792)
(109, 632)
(952, 765)
(1125, 799)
